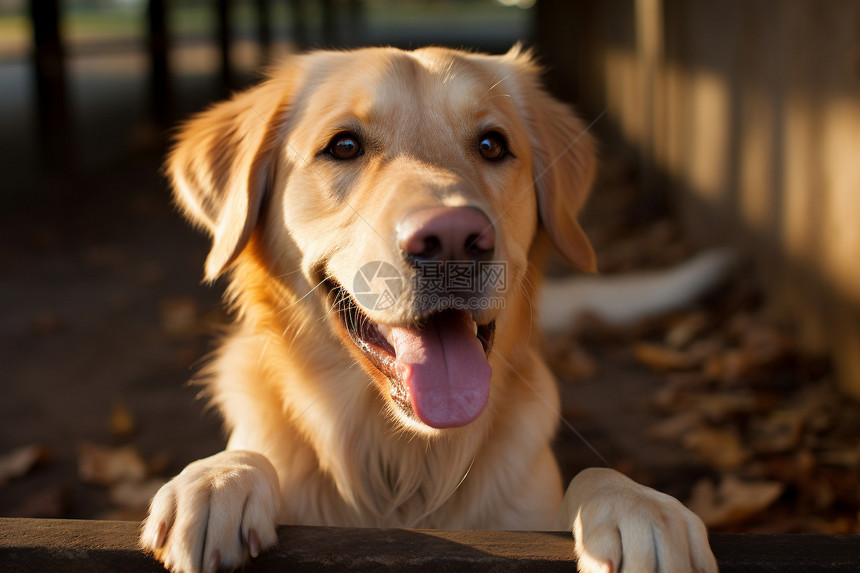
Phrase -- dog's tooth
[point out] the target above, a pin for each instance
(474, 328)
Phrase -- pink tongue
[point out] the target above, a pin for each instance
(445, 369)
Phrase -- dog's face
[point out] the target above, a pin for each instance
(407, 189)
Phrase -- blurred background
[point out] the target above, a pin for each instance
(720, 123)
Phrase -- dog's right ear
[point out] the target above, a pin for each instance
(221, 164)
(563, 161)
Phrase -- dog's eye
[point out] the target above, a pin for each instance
(493, 146)
(344, 146)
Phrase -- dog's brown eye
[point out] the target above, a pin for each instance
(493, 146)
(344, 146)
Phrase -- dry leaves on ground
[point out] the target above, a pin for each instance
(126, 475)
(733, 501)
(765, 417)
(20, 461)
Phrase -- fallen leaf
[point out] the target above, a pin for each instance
(733, 502)
(662, 358)
(121, 421)
(135, 495)
(763, 345)
(675, 428)
(848, 457)
(730, 366)
(721, 448)
(718, 408)
(680, 392)
(684, 331)
(670, 398)
(179, 316)
(20, 461)
(574, 364)
(703, 350)
(780, 432)
(106, 466)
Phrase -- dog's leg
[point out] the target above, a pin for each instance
(618, 523)
(216, 513)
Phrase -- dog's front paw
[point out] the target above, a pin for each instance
(618, 523)
(216, 513)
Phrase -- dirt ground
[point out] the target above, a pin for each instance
(104, 322)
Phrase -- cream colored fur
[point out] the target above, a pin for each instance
(314, 435)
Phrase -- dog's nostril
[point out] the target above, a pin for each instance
(476, 245)
(431, 248)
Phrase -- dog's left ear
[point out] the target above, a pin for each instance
(564, 162)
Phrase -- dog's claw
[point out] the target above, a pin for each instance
(215, 562)
(253, 543)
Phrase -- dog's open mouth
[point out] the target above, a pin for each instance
(437, 371)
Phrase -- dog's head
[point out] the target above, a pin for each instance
(407, 188)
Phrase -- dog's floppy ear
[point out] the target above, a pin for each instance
(563, 162)
(220, 167)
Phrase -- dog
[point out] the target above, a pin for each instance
(382, 216)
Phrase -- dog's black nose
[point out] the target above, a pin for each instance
(446, 234)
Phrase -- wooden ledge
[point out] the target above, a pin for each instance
(94, 546)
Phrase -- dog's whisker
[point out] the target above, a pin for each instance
(288, 273)
(301, 298)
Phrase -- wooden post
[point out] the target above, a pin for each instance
(329, 24)
(49, 66)
(159, 63)
(264, 28)
(557, 26)
(225, 43)
(299, 16)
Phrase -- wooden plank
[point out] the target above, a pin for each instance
(94, 546)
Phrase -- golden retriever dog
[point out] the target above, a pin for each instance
(381, 216)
